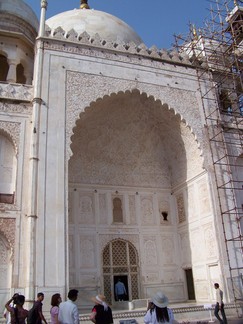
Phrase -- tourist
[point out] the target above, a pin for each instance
(120, 290)
(68, 310)
(101, 312)
(55, 302)
(17, 313)
(35, 313)
(219, 305)
(158, 312)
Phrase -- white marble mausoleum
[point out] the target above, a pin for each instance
(106, 165)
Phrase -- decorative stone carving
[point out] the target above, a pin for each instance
(87, 252)
(152, 277)
(150, 253)
(7, 228)
(4, 262)
(132, 210)
(105, 239)
(3, 253)
(181, 208)
(15, 108)
(210, 242)
(168, 251)
(204, 197)
(110, 149)
(97, 41)
(147, 211)
(86, 209)
(16, 92)
(103, 210)
(13, 131)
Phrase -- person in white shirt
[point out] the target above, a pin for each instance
(68, 310)
(219, 305)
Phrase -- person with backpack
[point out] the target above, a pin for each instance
(18, 314)
(35, 315)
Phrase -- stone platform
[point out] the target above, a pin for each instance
(127, 313)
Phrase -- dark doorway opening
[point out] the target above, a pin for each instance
(121, 280)
(190, 284)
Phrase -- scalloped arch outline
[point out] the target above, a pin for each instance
(142, 93)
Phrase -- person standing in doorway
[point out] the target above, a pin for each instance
(120, 290)
(68, 310)
(219, 305)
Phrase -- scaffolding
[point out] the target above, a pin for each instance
(216, 50)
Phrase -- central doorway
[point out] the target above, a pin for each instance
(120, 261)
(190, 284)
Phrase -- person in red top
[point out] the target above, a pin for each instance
(17, 312)
(101, 312)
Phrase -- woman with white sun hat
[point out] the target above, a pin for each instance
(158, 312)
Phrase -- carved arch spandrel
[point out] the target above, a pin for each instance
(82, 95)
(106, 239)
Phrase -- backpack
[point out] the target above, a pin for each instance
(32, 315)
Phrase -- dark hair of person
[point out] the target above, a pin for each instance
(40, 294)
(161, 314)
(216, 285)
(55, 300)
(20, 299)
(72, 293)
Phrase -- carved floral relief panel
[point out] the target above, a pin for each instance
(103, 209)
(181, 208)
(168, 250)
(203, 193)
(132, 209)
(88, 255)
(4, 263)
(147, 211)
(210, 242)
(86, 209)
(150, 252)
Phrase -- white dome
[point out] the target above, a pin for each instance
(21, 9)
(110, 28)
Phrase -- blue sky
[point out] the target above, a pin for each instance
(155, 21)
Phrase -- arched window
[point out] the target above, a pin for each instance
(3, 67)
(8, 164)
(20, 77)
(120, 261)
(117, 210)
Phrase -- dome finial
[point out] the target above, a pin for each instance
(84, 4)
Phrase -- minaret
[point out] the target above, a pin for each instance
(84, 4)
